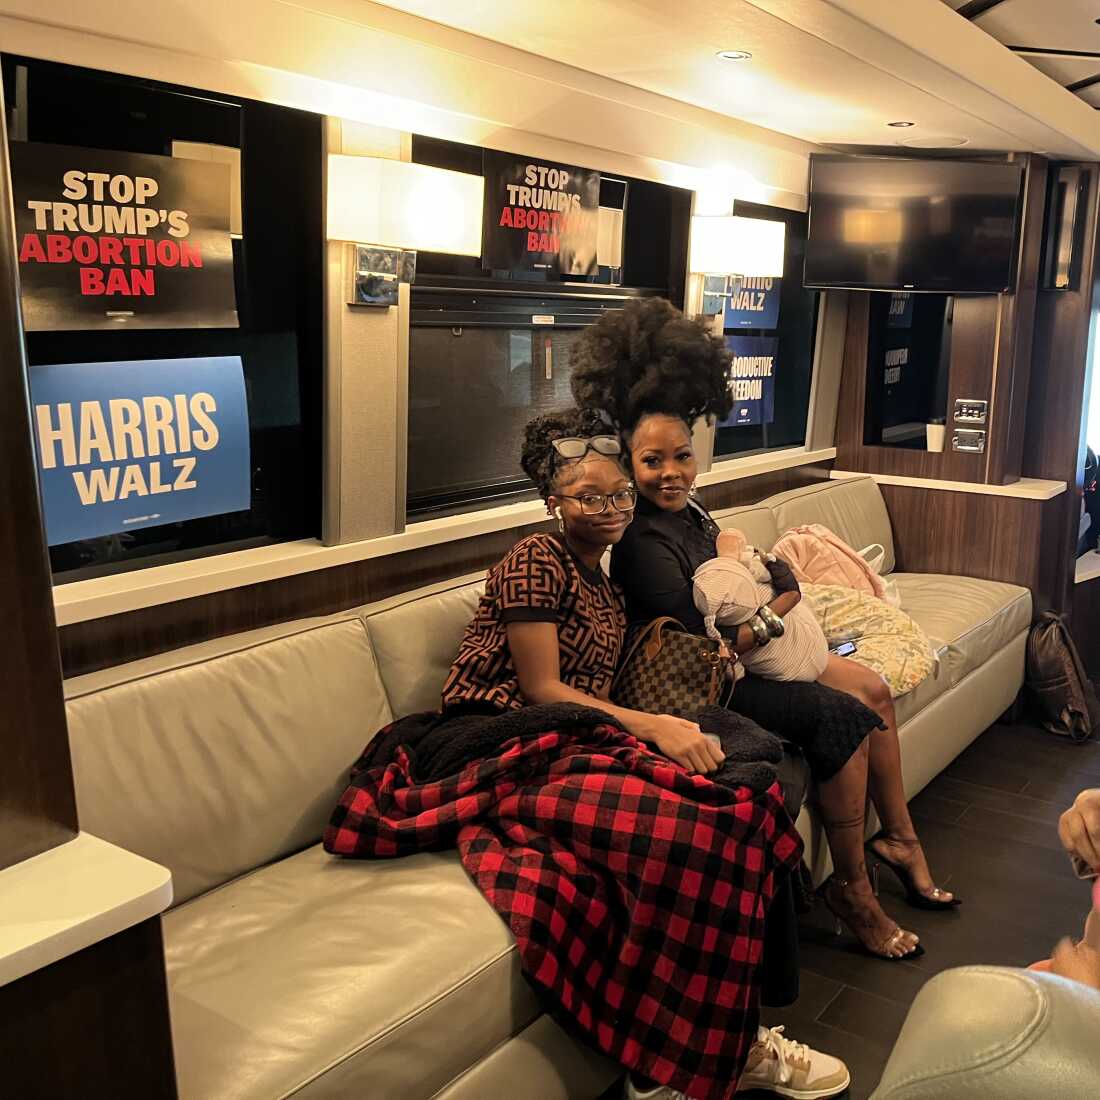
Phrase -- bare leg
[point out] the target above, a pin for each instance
(842, 801)
(899, 842)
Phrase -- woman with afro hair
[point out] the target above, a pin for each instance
(654, 373)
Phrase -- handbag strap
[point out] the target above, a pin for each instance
(646, 636)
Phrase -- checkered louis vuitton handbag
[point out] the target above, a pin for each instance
(668, 671)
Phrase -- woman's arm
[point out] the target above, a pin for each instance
(656, 582)
(534, 649)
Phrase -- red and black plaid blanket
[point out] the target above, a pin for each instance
(636, 892)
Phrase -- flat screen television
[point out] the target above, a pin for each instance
(885, 223)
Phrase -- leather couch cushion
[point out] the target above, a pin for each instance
(968, 620)
(416, 638)
(757, 523)
(220, 757)
(852, 508)
(324, 977)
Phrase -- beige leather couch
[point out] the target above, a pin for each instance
(994, 1033)
(292, 973)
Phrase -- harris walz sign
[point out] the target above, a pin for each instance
(539, 216)
(110, 239)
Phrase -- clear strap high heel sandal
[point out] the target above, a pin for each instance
(937, 899)
(879, 949)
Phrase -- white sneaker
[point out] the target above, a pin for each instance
(781, 1065)
(661, 1092)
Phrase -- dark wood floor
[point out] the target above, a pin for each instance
(989, 827)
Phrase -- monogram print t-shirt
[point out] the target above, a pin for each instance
(539, 581)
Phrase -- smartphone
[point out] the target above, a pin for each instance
(845, 649)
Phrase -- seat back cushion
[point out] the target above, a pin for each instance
(218, 758)
(416, 638)
(852, 508)
(756, 522)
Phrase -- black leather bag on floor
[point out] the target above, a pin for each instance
(1057, 681)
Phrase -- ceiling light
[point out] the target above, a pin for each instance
(901, 124)
(735, 55)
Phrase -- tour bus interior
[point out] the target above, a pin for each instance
(288, 291)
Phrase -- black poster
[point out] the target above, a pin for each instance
(539, 216)
(111, 240)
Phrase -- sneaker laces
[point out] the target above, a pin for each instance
(785, 1051)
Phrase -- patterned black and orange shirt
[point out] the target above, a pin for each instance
(540, 581)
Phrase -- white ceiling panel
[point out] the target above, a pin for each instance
(814, 86)
(795, 83)
(1053, 24)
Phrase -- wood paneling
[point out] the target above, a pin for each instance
(994, 538)
(973, 339)
(1054, 442)
(991, 350)
(1012, 374)
(93, 1024)
(1086, 624)
(37, 804)
(101, 643)
(750, 490)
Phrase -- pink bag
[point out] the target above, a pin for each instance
(817, 556)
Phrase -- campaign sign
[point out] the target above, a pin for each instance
(539, 216)
(752, 380)
(754, 304)
(111, 240)
(900, 314)
(138, 444)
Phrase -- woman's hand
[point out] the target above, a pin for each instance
(783, 578)
(1079, 962)
(679, 740)
(1079, 828)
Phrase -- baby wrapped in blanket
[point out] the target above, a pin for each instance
(728, 591)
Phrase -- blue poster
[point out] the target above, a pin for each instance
(900, 314)
(753, 304)
(141, 443)
(752, 380)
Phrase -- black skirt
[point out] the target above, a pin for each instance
(826, 724)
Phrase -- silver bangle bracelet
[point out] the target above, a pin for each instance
(772, 621)
(759, 630)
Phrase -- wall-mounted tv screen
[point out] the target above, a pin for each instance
(884, 223)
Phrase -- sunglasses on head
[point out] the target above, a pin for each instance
(573, 447)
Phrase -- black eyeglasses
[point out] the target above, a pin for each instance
(573, 447)
(594, 504)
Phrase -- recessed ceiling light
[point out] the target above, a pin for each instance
(901, 124)
(735, 55)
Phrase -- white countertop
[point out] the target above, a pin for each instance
(57, 903)
(1027, 488)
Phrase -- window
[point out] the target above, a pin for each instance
(277, 247)
(480, 367)
(773, 351)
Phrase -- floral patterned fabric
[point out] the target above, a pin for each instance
(888, 641)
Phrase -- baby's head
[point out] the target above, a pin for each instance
(731, 543)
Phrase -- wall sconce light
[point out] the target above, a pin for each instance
(737, 246)
(403, 205)
(399, 208)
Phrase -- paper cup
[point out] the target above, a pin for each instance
(934, 436)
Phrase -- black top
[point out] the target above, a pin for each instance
(656, 559)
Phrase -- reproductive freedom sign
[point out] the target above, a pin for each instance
(109, 239)
(139, 444)
(752, 380)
